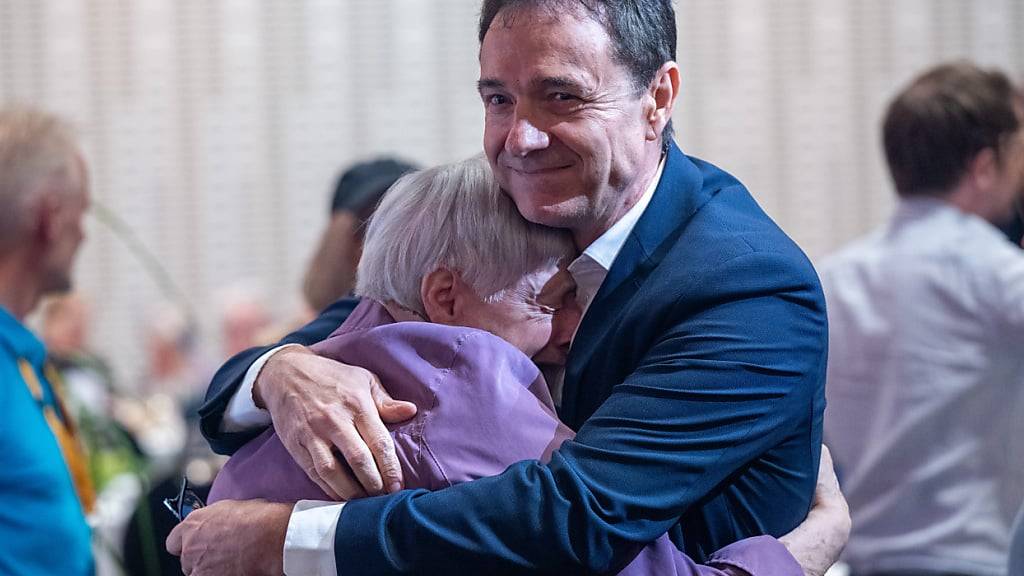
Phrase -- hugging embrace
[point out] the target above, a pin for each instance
(687, 427)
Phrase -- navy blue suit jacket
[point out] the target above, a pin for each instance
(696, 385)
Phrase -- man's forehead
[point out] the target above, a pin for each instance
(562, 51)
(546, 12)
(521, 20)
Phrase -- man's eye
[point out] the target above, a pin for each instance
(562, 96)
(495, 100)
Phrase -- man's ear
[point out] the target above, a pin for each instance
(439, 292)
(44, 217)
(983, 170)
(661, 99)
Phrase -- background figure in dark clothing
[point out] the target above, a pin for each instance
(332, 272)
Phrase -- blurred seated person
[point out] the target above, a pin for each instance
(89, 384)
(459, 292)
(65, 331)
(332, 272)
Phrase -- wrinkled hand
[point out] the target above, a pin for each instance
(320, 406)
(818, 541)
(228, 538)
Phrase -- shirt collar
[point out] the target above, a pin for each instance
(604, 250)
(929, 209)
(19, 340)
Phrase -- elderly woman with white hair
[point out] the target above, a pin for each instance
(462, 298)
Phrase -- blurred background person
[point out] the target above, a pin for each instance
(332, 272)
(166, 416)
(64, 329)
(926, 375)
(44, 481)
(114, 462)
(91, 391)
(244, 318)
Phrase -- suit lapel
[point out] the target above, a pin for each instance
(678, 196)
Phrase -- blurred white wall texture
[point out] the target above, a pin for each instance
(216, 127)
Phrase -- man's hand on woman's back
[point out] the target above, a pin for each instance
(331, 417)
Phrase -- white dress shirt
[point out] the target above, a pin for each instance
(926, 389)
(309, 543)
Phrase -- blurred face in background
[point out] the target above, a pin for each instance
(65, 325)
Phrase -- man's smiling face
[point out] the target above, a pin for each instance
(566, 129)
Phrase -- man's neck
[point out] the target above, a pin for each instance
(596, 227)
(972, 202)
(19, 291)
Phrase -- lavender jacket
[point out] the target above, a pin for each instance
(482, 405)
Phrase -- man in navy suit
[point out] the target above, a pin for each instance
(695, 382)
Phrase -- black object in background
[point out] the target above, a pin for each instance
(1015, 229)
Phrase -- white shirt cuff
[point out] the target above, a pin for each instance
(242, 414)
(309, 542)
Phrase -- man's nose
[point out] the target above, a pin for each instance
(525, 137)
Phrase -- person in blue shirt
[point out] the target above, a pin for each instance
(44, 485)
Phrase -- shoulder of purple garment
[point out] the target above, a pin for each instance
(437, 345)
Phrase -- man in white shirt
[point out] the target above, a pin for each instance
(926, 315)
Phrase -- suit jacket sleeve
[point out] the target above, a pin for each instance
(228, 379)
(737, 365)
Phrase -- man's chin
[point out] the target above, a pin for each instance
(564, 214)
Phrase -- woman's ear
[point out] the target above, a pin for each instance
(439, 292)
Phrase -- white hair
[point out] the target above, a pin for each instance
(37, 149)
(453, 217)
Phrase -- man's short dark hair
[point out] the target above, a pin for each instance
(643, 32)
(935, 127)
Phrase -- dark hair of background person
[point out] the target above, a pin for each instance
(643, 32)
(331, 273)
(935, 127)
(360, 188)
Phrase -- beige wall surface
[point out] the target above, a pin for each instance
(215, 128)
